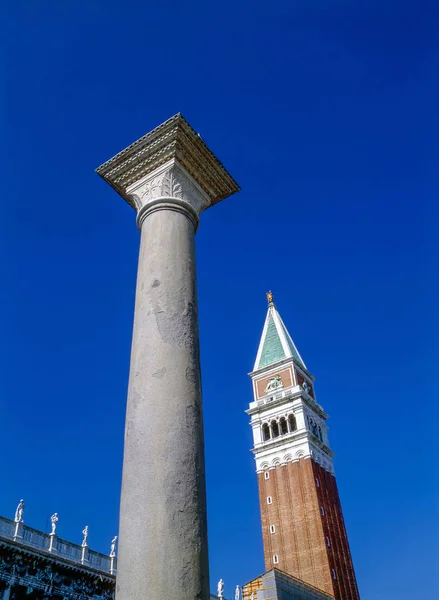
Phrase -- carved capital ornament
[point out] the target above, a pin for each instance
(169, 168)
(168, 188)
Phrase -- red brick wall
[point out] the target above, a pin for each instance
(301, 529)
(339, 554)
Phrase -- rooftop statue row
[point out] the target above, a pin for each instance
(19, 520)
(220, 590)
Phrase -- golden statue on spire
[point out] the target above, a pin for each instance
(270, 297)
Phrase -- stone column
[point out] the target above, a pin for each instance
(7, 593)
(164, 436)
(169, 177)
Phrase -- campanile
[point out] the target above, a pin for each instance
(303, 528)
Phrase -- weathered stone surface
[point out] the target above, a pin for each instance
(169, 176)
(163, 531)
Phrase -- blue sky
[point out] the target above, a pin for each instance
(326, 114)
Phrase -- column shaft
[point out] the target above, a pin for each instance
(163, 529)
(6, 593)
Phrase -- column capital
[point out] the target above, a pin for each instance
(170, 187)
(169, 167)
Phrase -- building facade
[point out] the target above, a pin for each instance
(276, 585)
(303, 528)
(40, 566)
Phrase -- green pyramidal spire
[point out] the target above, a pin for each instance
(276, 343)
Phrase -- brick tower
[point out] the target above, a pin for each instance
(302, 522)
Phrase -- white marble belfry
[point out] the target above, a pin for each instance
(169, 176)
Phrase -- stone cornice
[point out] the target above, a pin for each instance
(296, 393)
(174, 140)
(45, 577)
(309, 400)
(278, 365)
(292, 437)
(56, 559)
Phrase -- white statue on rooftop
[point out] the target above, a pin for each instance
(54, 518)
(220, 588)
(237, 593)
(85, 534)
(19, 512)
(113, 547)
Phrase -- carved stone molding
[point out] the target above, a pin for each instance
(52, 578)
(174, 187)
(173, 141)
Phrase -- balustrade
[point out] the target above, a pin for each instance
(41, 541)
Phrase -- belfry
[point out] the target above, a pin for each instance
(303, 528)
